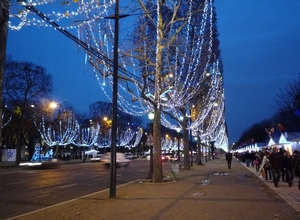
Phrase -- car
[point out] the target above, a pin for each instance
(96, 159)
(121, 160)
(173, 158)
(129, 156)
(50, 163)
(164, 158)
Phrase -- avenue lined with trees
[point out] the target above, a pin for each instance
(169, 65)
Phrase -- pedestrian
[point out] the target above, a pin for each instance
(295, 156)
(257, 162)
(248, 158)
(297, 171)
(276, 162)
(283, 173)
(266, 166)
(288, 165)
(229, 159)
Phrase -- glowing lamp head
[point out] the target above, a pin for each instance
(53, 105)
(151, 116)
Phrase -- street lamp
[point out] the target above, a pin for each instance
(53, 105)
(191, 136)
(107, 125)
(151, 116)
(178, 147)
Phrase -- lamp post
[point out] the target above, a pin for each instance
(150, 144)
(191, 108)
(178, 146)
(112, 191)
(212, 149)
(106, 127)
(191, 145)
(53, 105)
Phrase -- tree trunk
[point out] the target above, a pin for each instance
(4, 16)
(157, 164)
(186, 150)
(19, 145)
(199, 155)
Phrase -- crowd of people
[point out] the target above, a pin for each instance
(275, 164)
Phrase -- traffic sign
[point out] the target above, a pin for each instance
(149, 140)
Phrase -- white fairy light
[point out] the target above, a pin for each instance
(60, 133)
(87, 137)
(188, 77)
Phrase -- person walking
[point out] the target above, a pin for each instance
(295, 156)
(276, 163)
(229, 159)
(257, 162)
(288, 166)
(266, 166)
(297, 171)
(248, 158)
(283, 173)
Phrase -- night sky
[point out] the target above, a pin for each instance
(260, 48)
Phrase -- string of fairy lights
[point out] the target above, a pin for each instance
(59, 133)
(68, 131)
(87, 136)
(195, 55)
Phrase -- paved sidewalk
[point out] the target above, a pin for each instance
(290, 194)
(205, 192)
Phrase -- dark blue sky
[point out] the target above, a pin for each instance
(260, 47)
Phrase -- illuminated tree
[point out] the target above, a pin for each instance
(59, 131)
(138, 137)
(25, 87)
(163, 64)
(87, 137)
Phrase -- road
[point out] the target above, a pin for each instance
(23, 190)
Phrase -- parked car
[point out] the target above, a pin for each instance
(121, 160)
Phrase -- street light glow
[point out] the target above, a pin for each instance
(53, 105)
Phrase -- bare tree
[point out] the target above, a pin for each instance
(25, 86)
(287, 102)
